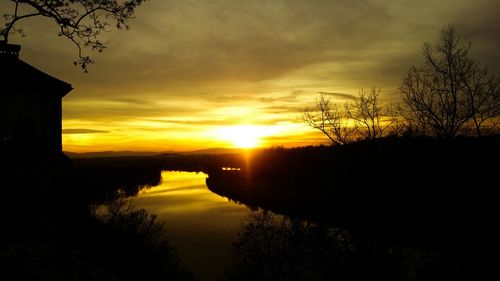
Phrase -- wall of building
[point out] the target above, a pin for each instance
(31, 118)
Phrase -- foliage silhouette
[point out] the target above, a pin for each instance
(394, 191)
(52, 234)
(273, 247)
(56, 243)
(131, 241)
(393, 188)
(81, 21)
(450, 94)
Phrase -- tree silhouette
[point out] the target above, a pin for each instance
(372, 117)
(331, 119)
(81, 21)
(364, 117)
(273, 247)
(450, 93)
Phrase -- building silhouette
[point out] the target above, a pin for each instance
(31, 158)
(30, 103)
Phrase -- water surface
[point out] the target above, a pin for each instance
(203, 226)
(200, 224)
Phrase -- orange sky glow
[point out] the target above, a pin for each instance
(193, 75)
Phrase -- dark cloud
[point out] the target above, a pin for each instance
(82, 131)
(178, 43)
(338, 95)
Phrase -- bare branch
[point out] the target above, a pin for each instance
(81, 21)
(332, 120)
(449, 93)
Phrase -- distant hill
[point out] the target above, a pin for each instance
(110, 154)
(216, 150)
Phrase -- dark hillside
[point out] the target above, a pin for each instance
(435, 191)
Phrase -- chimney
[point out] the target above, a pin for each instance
(9, 50)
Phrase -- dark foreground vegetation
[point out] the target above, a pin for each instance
(128, 245)
(413, 208)
(434, 192)
(272, 247)
(434, 195)
(384, 209)
(69, 230)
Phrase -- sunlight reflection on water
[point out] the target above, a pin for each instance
(200, 224)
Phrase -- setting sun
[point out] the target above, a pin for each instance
(245, 141)
(243, 136)
(249, 140)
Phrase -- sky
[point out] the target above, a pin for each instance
(231, 73)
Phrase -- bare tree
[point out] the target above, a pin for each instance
(331, 119)
(396, 125)
(365, 117)
(483, 97)
(449, 92)
(373, 118)
(81, 21)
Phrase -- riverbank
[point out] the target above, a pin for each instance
(437, 193)
(52, 230)
(421, 193)
(425, 192)
(59, 244)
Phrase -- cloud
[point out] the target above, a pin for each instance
(249, 98)
(82, 131)
(133, 101)
(186, 61)
(288, 98)
(174, 46)
(338, 95)
(284, 109)
(183, 42)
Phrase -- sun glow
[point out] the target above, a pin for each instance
(243, 136)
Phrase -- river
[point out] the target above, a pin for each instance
(201, 225)
(213, 236)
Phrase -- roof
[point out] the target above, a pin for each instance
(16, 74)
